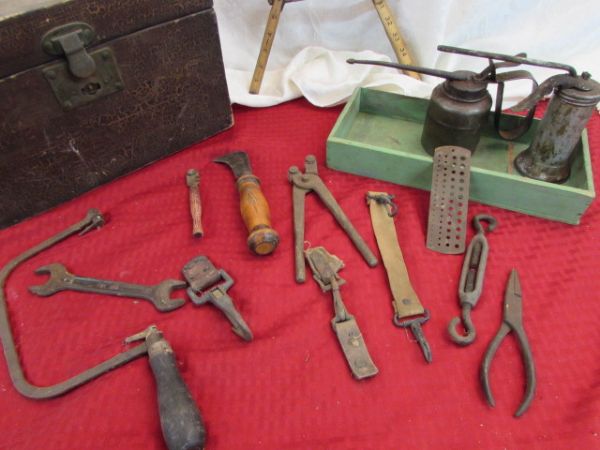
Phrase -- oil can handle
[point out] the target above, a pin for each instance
(523, 125)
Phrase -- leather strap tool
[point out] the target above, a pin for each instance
(408, 311)
(263, 239)
(204, 279)
(305, 183)
(471, 280)
(449, 200)
(512, 320)
(325, 268)
(394, 35)
(267, 43)
(180, 419)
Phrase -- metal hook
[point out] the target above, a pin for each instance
(491, 221)
(467, 324)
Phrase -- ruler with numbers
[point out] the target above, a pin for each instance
(267, 43)
(393, 33)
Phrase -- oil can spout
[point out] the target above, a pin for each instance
(454, 76)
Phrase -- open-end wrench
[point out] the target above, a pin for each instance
(62, 280)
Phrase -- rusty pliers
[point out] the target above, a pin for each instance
(512, 321)
(303, 184)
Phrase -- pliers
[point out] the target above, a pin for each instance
(304, 183)
(511, 321)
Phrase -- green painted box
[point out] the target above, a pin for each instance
(378, 135)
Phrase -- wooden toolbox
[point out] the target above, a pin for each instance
(378, 135)
(93, 89)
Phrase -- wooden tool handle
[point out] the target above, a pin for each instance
(180, 419)
(257, 216)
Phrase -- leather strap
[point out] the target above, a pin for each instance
(406, 302)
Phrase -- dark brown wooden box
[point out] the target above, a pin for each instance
(158, 86)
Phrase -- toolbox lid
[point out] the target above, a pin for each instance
(24, 22)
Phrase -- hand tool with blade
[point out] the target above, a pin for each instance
(177, 410)
(263, 239)
(204, 279)
(394, 35)
(471, 280)
(192, 179)
(303, 184)
(408, 311)
(512, 320)
(325, 268)
(62, 280)
(267, 43)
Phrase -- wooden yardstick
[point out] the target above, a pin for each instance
(267, 43)
(389, 24)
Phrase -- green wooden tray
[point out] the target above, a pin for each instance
(378, 135)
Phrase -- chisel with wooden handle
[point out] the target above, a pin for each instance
(263, 239)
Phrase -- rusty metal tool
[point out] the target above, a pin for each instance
(471, 279)
(267, 43)
(62, 280)
(192, 178)
(325, 267)
(304, 183)
(408, 310)
(263, 239)
(182, 425)
(209, 285)
(512, 321)
(449, 200)
(394, 35)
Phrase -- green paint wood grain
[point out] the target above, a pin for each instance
(378, 135)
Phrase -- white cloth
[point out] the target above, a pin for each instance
(315, 37)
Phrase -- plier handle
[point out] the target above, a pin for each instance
(512, 321)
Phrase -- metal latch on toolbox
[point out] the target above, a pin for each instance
(85, 75)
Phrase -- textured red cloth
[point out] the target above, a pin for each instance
(290, 388)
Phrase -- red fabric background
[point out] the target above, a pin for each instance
(290, 388)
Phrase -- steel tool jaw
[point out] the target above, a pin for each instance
(237, 161)
(513, 301)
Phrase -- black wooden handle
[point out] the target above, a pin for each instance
(180, 419)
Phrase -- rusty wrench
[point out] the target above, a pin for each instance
(62, 280)
(303, 184)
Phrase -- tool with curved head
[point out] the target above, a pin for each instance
(512, 321)
(307, 182)
(471, 279)
(263, 239)
(62, 280)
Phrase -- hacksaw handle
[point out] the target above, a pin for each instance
(180, 419)
(263, 239)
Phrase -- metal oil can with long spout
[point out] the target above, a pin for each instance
(460, 106)
(550, 154)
